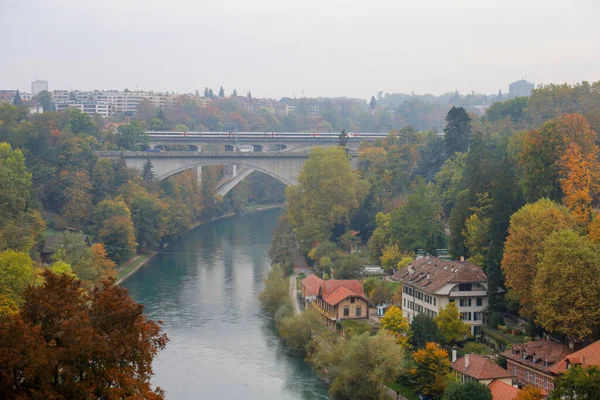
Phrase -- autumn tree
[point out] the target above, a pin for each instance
(147, 214)
(323, 199)
(451, 327)
(394, 321)
(566, 290)
(78, 195)
(381, 293)
(366, 364)
(15, 182)
(577, 383)
(100, 344)
(17, 272)
(90, 264)
(529, 228)
(579, 181)
(131, 136)
(114, 228)
(276, 290)
(430, 370)
(424, 330)
(457, 131)
(530, 393)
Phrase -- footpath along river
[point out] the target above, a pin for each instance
(204, 287)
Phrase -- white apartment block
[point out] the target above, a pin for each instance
(38, 86)
(430, 284)
(60, 96)
(127, 102)
(90, 108)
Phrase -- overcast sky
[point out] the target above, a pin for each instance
(284, 48)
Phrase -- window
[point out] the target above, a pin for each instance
(465, 302)
(479, 302)
(451, 300)
(477, 330)
(358, 311)
(434, 301)
(346, 311)
(352, 300)
(477, 316)
(464, 287)
(404, 302)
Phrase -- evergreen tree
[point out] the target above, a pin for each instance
(373, 103)
(206, 92)
(500, 96)
(147, 172)
(234, 93)
(17, 99)
(221, 92)
(344, 139)
(211, 94)
(494, 276)
(458, 216)
(457, 131)
(249, 95)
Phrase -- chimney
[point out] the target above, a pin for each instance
(411, 270)
(428, 276)
(462, 258)
(466, 361)
(453, 355)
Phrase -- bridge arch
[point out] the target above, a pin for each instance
(175, 171)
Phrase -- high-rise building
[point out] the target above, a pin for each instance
(37, 86)
(520, 88)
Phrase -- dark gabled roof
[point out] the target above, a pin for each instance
(431, 273)
(56, 241)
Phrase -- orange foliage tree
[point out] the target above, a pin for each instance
(431, 369)
(579, 182)
(65, 344)
(530, 393)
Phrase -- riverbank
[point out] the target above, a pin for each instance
(131, 266)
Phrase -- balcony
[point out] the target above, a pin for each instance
(468, 293)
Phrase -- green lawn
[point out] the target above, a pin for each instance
(131, 265)
(404, 391)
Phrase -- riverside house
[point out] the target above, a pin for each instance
(473, 367)
(539, 363)
(335, 299)
(431, 283)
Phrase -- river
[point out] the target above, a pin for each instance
(204, 288)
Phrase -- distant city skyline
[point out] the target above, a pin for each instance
(314, 48)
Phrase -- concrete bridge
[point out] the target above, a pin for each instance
(260, 141)
(284, 167)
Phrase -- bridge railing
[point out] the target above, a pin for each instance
(193, 154)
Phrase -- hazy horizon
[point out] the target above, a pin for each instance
(312, 48)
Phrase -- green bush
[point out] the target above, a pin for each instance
(477, 348)
(495, 320)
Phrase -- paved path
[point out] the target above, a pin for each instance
(293, 291)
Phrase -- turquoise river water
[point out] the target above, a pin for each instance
(204, 288)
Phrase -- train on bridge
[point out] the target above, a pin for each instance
(262, 135)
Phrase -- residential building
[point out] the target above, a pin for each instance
(533, 363)
(25, 96)
(503, 391)
(520, 88)
(60, 96)
(36, 109)
(88, 107)
(473, 367)
(7, 96)
(431, 283)
(588, 356)
(54, 242)
(336, 299)
(38, 86)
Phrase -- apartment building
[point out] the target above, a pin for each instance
(88, 107)
(38, 86)
(430, 284)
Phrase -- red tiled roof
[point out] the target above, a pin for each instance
(440, 272)
(589, 355)
(542, 349)
(331, 285)
(480, 368)
(312, 284)
(340, 294)
(503, 391)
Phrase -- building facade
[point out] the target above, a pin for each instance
(533, 363)
(38, 86)
(88, 107)
(335, 299)
(430, 284)
(520, 88)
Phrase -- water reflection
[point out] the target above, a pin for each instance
(204, 288)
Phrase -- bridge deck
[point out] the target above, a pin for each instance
(193, 154)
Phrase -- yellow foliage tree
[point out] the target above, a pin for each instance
(593, 229)
(394, 321)
(450, 324)
(431, 369)
(529, 227)
(566, 289)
